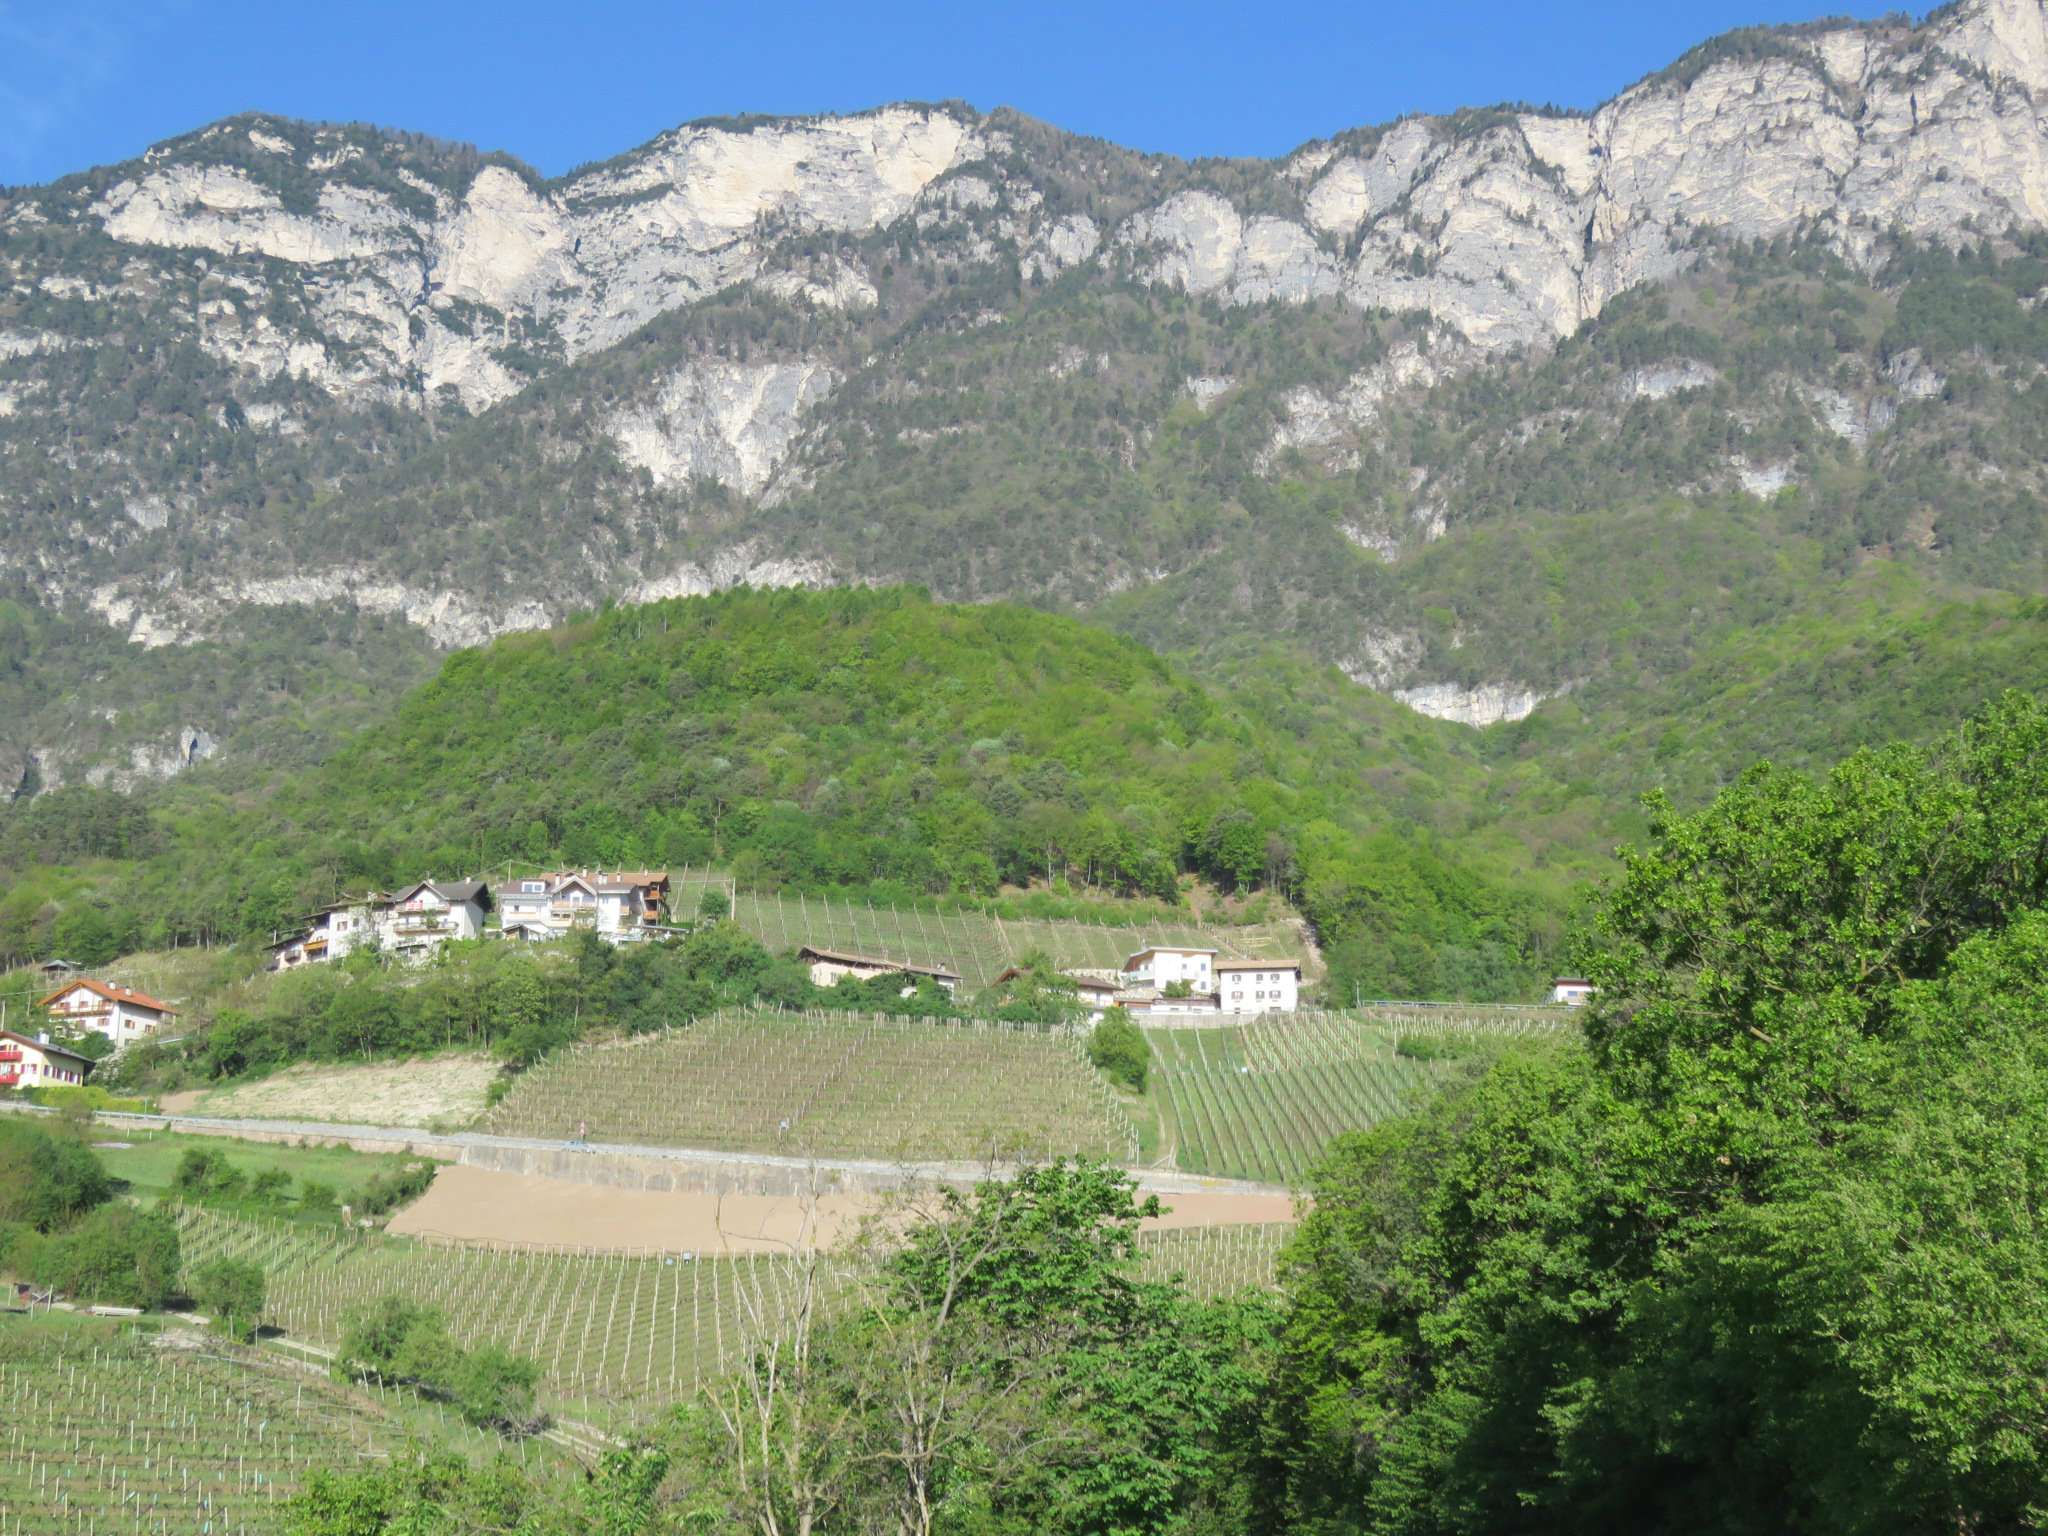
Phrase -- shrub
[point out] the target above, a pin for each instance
(45, 1181)
(271, 1186)
(204, 1173)
(388, 1191)
(491, 1386)
(1118, 1049)
(118, 1255)
(317, 1199)
(1431, 1048)
(232, 1293)
(87, 1097)
(398, 1341)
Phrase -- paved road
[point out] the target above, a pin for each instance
(451, 1144)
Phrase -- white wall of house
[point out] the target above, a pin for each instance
(425, 919)
(828, 973)
(121, 1020)
(1252, 987)
(1172, 1007)
(1163, 965)
(1097, 1000)
(344, 930)
(561, 902)
(1569, 989)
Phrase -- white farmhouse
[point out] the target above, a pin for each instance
(1163, 965)
(1097, 994)
(36, 1063)
(122, 1015)
(428, 914)
(1574, 991)
(621, 905)
(330, 933)
(1258, 986)
(411, 922)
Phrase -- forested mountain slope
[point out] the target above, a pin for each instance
(1488, 410)
(867, 741)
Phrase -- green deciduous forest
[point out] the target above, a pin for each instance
(868, 742)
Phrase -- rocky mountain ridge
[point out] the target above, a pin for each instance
(336, 357)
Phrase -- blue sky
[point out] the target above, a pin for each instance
(83, 82)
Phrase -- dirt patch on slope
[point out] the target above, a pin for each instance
(481, 1205)
(445, 1091)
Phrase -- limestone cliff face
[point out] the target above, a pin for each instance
(1509, 228)
(1512, 229)
(766, 304)
(729, 422)
(429, 291)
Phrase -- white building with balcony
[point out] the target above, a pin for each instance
(1161, 966)
(122, 1015)
(430, 913)
(621, 906)
(412, 922)
(27, 1062)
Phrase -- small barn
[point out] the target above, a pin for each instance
(829, 966)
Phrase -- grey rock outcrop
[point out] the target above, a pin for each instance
(1486, 704)
(1509, 228)
(724, 421)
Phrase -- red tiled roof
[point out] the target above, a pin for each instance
(111, 994)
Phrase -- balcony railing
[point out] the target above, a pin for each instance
(10, 1055)
(9, 1079)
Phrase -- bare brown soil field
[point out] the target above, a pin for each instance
(441, 1091)
(480, 1205)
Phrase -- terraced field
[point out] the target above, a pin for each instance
(1261, 1100)
(107, 1432)
(829, 1084)
(613, 1332)
(1216, 1261)
(610, 1330)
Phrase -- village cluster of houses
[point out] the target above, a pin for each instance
(619, 906)
(1160, 980)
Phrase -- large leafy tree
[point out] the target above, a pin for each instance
(1767, 1252)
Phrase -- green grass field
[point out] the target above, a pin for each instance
(145, 1161)
(830, 1084)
